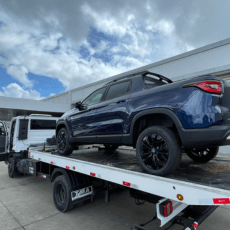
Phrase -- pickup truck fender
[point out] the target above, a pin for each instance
(128, 138)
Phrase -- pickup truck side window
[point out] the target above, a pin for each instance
(150, 82)
(95, 97)
(118, 90)
(36, 124)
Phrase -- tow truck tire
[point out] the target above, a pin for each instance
(62, 194)
(63, 144)
(202, 155)
(10, 169)
(164, 149)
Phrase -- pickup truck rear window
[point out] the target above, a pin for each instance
(118, 90)
(42, 124)
(150, 82)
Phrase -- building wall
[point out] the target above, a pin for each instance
(33, 105)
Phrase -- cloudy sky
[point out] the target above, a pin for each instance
(50, 46)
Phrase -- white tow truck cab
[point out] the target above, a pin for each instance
(24, 131)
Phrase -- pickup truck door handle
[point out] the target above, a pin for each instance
(120, 101)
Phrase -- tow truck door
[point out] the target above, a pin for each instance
(3, 140)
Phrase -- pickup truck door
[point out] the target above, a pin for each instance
(82, 120)
(3, 140)
(112, 113)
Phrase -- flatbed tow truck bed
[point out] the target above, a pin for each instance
(192, 185)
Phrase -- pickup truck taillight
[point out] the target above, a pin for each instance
(208, 86)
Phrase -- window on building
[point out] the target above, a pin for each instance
(118, 90)
(42, 124)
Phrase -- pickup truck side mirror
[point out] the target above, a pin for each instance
(78, 105)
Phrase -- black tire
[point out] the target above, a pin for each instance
(10, 169)
(63, 144)
(62, 194)
(202, 155)
(163, 155)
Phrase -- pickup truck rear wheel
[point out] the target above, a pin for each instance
(202, 155)
(158, 150)
(62, 194)
(63, 144)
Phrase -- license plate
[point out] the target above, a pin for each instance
(81, 192)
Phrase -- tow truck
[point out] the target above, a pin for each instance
(187, 197)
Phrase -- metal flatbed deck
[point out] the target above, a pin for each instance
(200, 184)
(215, 173)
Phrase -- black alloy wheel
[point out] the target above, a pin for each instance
(155, 153)
(61, 139)
(202, 155)
(158, 150)
(63, 145)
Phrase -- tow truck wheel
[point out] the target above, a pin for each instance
(62, 194)
(202, 155)
(158, 150)
(63, 144)
(10, 168)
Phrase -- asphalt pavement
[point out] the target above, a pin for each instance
(27, 203)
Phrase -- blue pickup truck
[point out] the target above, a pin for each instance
(159, 117)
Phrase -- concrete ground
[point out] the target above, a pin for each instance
(26, 203)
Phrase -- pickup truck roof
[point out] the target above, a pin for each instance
(143, 73)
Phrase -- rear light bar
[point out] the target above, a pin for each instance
(166, 208)
(207, 86)
(126, 184)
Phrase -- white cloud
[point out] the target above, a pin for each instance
(103, 21)
(20, 74)
(15, 90)
(45, 37)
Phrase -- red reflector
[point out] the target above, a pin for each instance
(126, 184)
(195, 225)
(207, 86)
(221, 201)
(92, 174)
(39, 159)
(67, 167)
(42, 175)
(51, 162)
(167, 209)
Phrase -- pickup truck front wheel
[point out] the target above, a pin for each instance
(63, 144)
(202, 155)
(158, 150)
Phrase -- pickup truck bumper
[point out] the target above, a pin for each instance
(217, 135)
